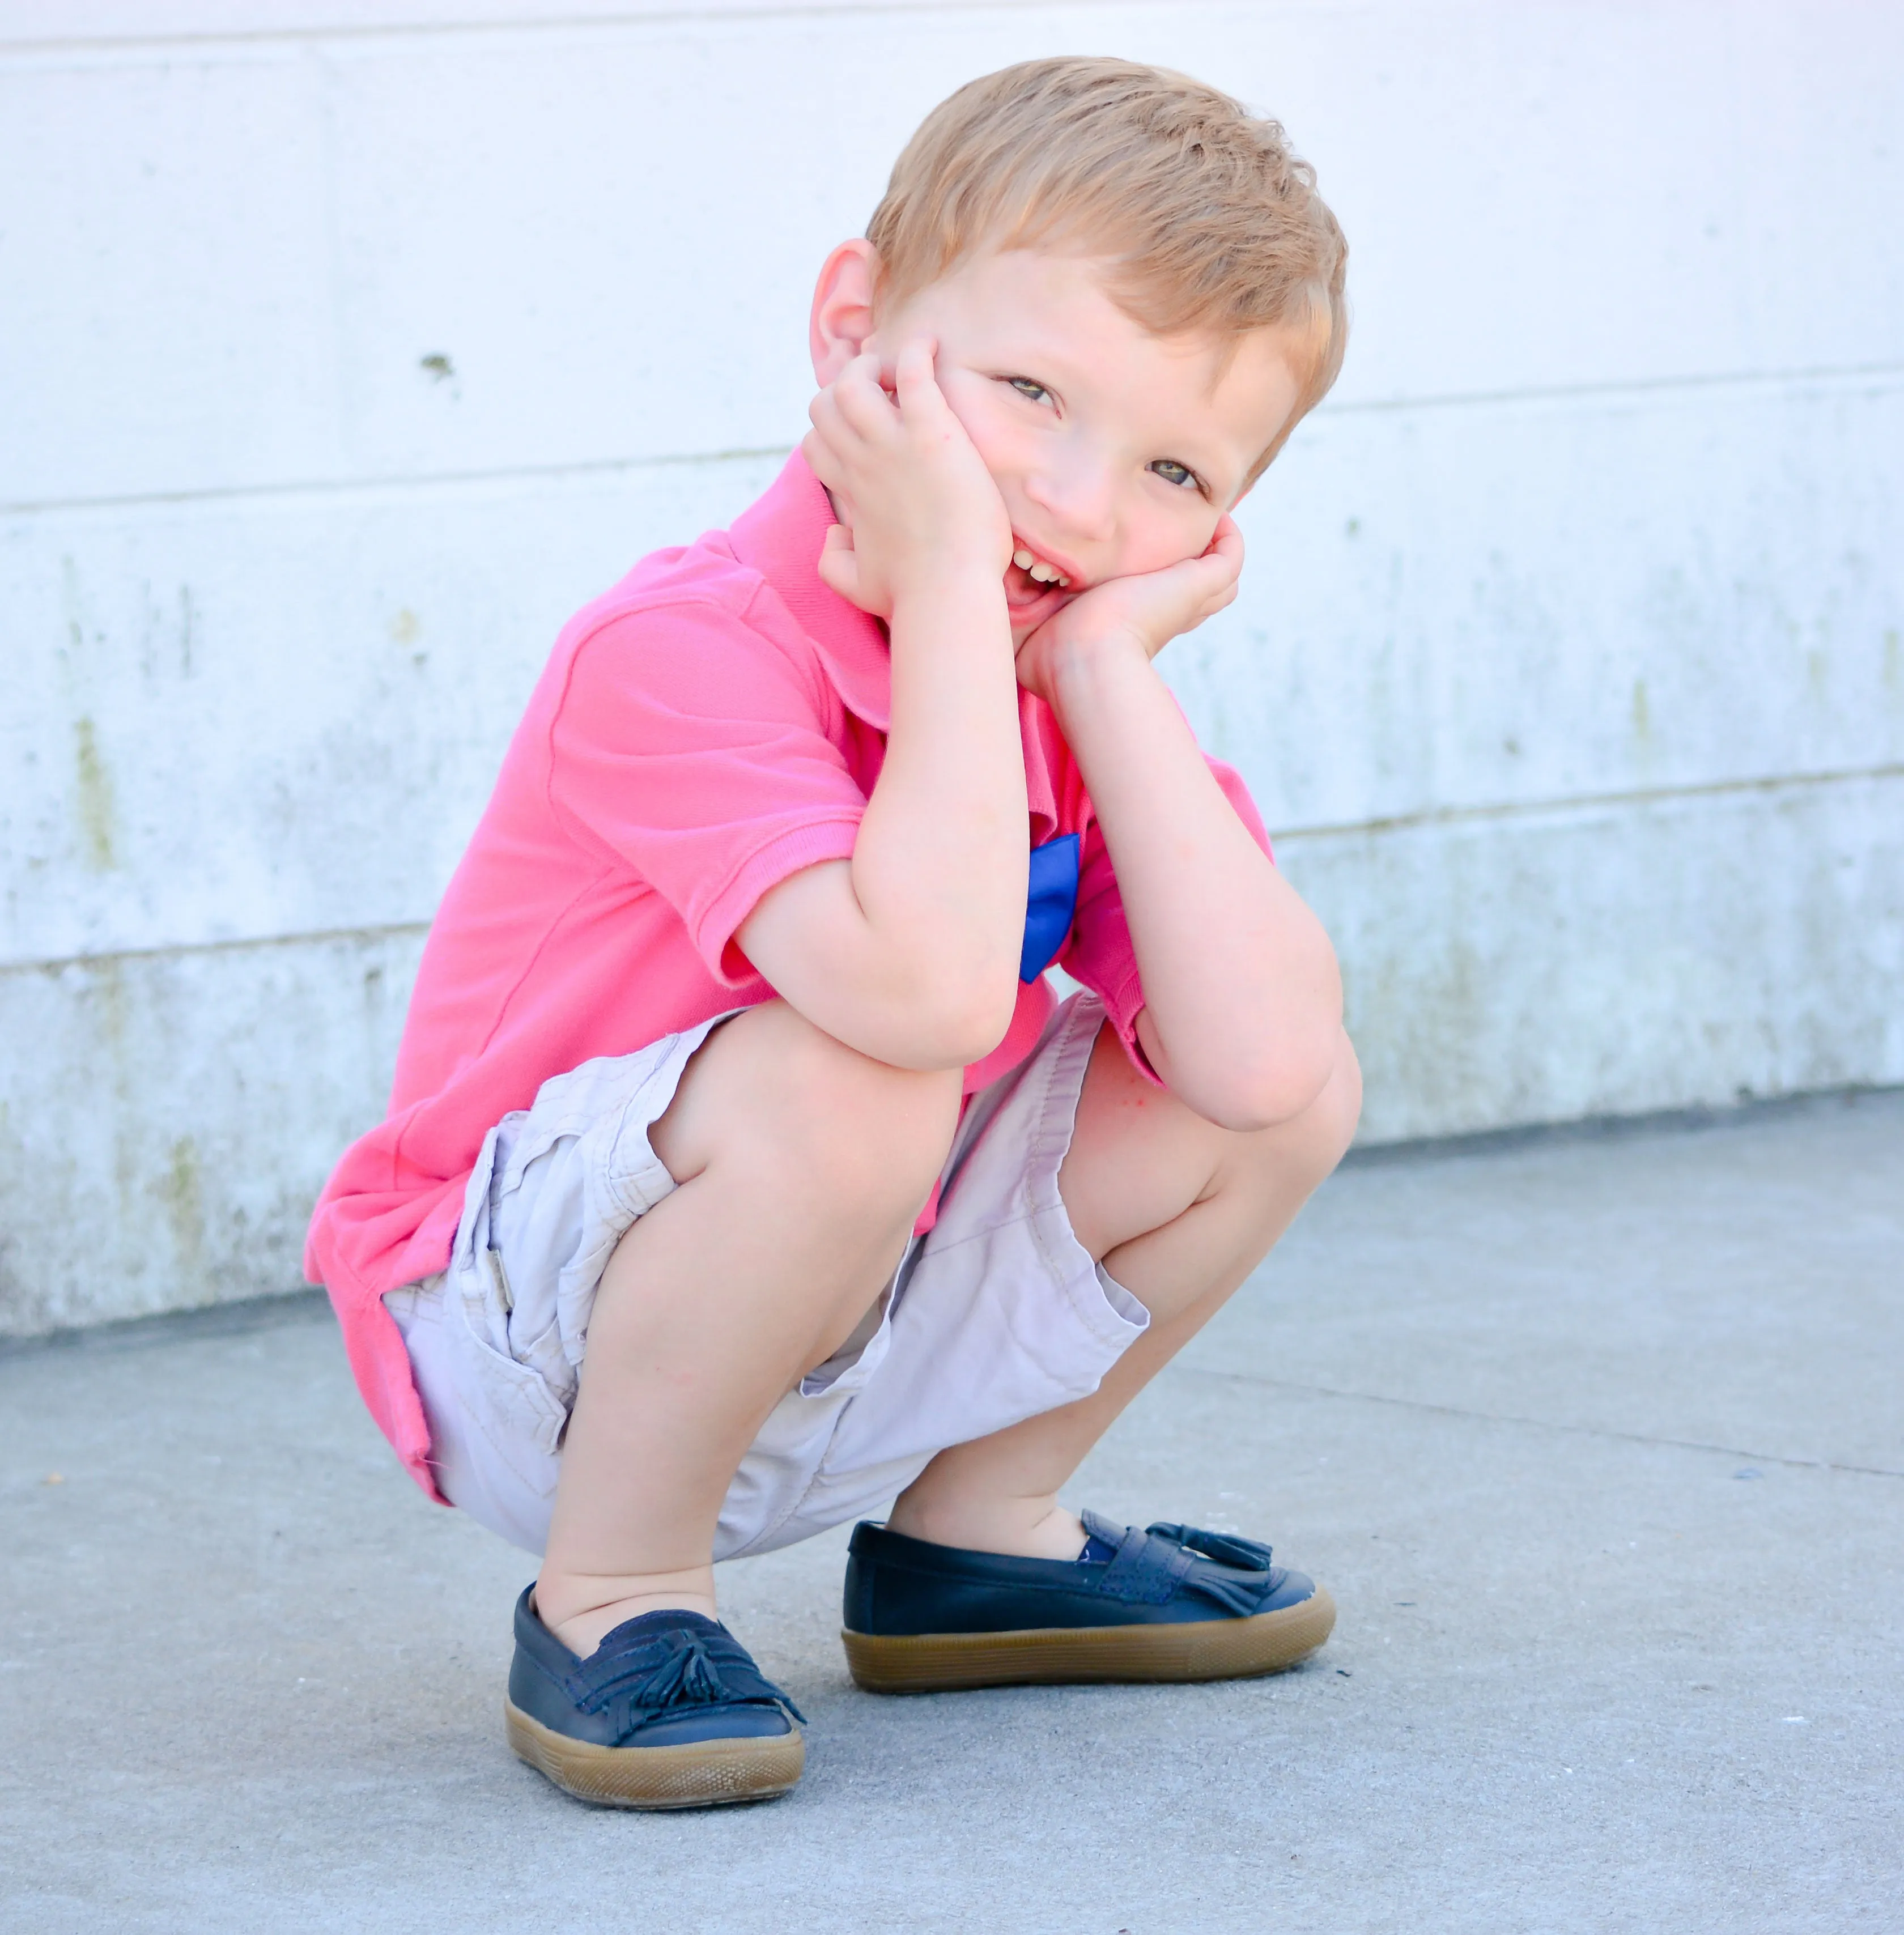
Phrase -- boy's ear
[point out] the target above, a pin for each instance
(842, 320)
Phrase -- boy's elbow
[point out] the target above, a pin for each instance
(1278, 1067)
(980, 1025)
(958, 1022)
(1278, 1081)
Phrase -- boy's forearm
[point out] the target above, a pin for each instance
(909, 952)
(1243, 998)
(939, 866)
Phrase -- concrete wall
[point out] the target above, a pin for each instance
(348, 346)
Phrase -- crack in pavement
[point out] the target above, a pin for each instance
(1539, 1423)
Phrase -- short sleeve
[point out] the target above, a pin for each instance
(703, 756)
(1100, 955)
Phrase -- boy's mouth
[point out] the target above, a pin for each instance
(1030, 578)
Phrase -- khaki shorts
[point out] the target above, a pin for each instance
(996, 1315)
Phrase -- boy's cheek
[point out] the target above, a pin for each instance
(1159, 549)
(972, 400)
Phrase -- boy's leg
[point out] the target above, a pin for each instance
(801, 1165)
(1179, 1212)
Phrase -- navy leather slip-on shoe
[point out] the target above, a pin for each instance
(1169, 1603)
(669, 1711)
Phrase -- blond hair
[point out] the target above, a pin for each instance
(1210, 223)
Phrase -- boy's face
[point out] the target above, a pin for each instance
(1116, 451)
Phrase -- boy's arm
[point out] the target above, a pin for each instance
(909, 952)
(1243, 1000)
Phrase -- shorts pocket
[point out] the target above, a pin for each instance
(511, 1403)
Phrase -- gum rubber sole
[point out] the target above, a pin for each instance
(708, 1773)
(1218, 1648)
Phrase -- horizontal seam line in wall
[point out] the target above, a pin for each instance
(395, 930)
(668, 17)
(1545, 1424)
(609, 466)
(1450, 816)
(1850, 373)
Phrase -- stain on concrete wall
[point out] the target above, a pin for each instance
(93, 791)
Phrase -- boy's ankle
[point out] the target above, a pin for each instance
(1020, 1529)
(581, 1609)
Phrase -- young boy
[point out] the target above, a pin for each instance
(742, 1172)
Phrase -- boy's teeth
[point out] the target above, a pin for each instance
(1035, 568)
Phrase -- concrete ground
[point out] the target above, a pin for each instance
(1599, 1443)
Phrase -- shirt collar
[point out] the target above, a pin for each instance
(781, 536)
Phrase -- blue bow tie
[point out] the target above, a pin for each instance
(1051, 903)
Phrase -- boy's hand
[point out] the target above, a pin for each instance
(917, 506)
(1139, 614)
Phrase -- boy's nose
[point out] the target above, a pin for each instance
(1081, 501)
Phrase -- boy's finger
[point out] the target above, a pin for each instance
(860, 400)
(1223, 561)
(1219, 586)
(1198, 587)
(839, 568)
(827, 464)
(816, 446)
(828, 412)
(913, 376)
(823, 404)
(1213, 570)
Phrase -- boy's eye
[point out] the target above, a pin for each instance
(1172, 471)
(1025, 387)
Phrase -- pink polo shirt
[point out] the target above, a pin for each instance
(712, 724)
